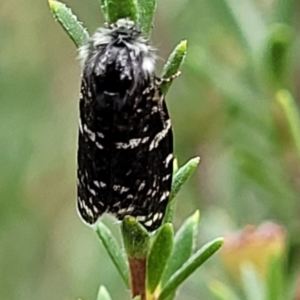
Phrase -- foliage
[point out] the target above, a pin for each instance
(225, 108)
(157, 253)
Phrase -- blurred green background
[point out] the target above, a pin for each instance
(223, 107)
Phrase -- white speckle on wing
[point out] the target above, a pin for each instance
(98, 145)
(145, 139)
(86, 209)
(154, 181)
(130, 145)
(142, 185)
(100, 135)
(168, 159)
(80, 126)
(116, 204)
(124, 189)
(164, 196)
(157, 216)
(121, 189)
(102, 184)
(90, 133)
(95, 209)
(154, 109)
(122, 211)
(165, 178)
(93, 192)
(159, 136)
(149, 223)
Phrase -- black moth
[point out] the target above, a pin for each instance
(125, 154)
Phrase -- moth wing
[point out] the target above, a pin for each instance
(93, 177)
(143, 161)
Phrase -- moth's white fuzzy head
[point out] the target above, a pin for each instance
(124, 34)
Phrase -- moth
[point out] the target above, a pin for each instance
(125, 143)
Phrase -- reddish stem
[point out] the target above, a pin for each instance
(138, 277)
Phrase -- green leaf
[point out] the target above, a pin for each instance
(284, 11)
(103, 294)
(175, 165)
(182, 175)
(249, 22)
(278, 46)
(172, 65)
(179, 178)
(118, 9)
(114, 251)
(194, 262)
(168, 218)
(291, 112)
(146, 10)
(183, 246)
(222, 292)
(158, 256)
(136, 238)
(253, 286)
(69, 22)
(171, 296)
(275, 289)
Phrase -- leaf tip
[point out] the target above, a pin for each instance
(219, 241)
(196, 216)
(103, 293)
(52, 4)
(183, 46)
(168, 226)
(195, 161)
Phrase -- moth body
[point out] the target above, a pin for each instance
(125, 134)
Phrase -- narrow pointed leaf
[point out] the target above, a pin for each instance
(194, 262)
(171, 296)
(275, 287)
(173, 65)
(168, 218)
(175, 165)
(222, 292)
(179, 178)
(278, 47)
(183, 246)
(114, 251)
(103, 294)
(118, 9)
(158, 256)
(291, 112)
(146, 10)
(249, 22)
(136, 238)
(182, 175)
(69, 22)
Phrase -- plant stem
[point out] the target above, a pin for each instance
(138, 277)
